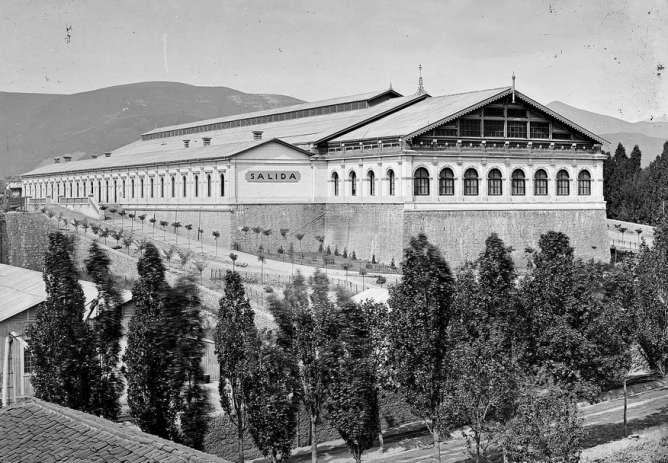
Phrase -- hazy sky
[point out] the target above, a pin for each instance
(597, 55)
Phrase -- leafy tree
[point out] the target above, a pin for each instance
(127, 242)
(107, 330)
(176, 226)
(272, 399)
(257, 231)
(353, 256)
(85, 225)
(149, 396)
(329, 250)
(320, 239)
(233, 258)
(308, 331)
(122, 214)
(216, 235)
(104, 233)
(184, 257)
(235, 340)
(352, 405)
(188, 227)
(261, 259)
(164, 224)
(418, 357)
(284, 232)
(132, 216)
(392, 264)
(169, 254)
(200, 265)
(373, 259)
(363, 273)
(153, 220)
(65, 369)
(345, 253)
(75, 224)
(336, 250)
(346, 266)
(381, 280)
(300, 237)
(267, 233)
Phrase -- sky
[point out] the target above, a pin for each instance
(599, 55)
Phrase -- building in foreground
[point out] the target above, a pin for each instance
(367, 172)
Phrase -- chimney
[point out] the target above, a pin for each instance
(56, 160)
(257, 134)
(107, 154)
(207, 141)
(186, 143)
(67, 158)
(94, 156)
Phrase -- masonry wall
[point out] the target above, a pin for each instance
(367, 229)
(461, 235)
(23, 239)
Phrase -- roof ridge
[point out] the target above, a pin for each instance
(117, 430)
(474, 91)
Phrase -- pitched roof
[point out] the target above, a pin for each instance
(433, 112)
(41, 431)
(283, 109)
(159, 157)
(21, 289)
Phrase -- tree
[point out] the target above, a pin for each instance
(261, 259)
(164, 224)
(169, 254)
(75, 224)
(132, 224)
(116, 234)
(639, 232)
(272, 399)
(352, 405)
(327, 260)
(104, 233)
(216, 235)
(381, 280)
(122, 214)
(346, 266)
(107, 330)
(233, 257)
(85, 225)
(200, 232)
(373, 259)
(308, 331)
(284, 232)
(184, 256)
(153, 220)
(235, 337)
(329, 250)
(300, 237)
(320, 239)
(257, 231)
(127, 242)
(362, 272)
(113, 211)
(353, 256)
(267, 233)
(336, 250)
(65, 370)
(200, 265)
(418, 357)
(148, 389)
(188, 227)
(176, 226)
(345, 253)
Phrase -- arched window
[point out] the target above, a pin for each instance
(185, 192)
(446, 182)
(421, 182)
(115, 191)
(71, 189)
(132, 188)
(78, 190)
(563, 183)
(222, 185)
(584, 183)
(99, 191)
(353, 184)
(372, 182)
(518, 183)
(208, 185)
(151, 185)
(471, 182)
(106, 190)
(494, 183)
(123, 190)
(335, 181)
(391, 181)
(91, 189)
(173, 187)
(141, 187)
(162, 187)
(540, 183)
(196, 186)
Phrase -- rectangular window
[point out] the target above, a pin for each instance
(518, 187)
(494, 187)
(469, 127)
(392, 185)
(540, 187)
(446, 187)
(27, 363)
(517, 129)
(471, 186)
(446, 132)
(494, 128)
(540, 130)
(421, 187)
(584, 187)
(561, 136)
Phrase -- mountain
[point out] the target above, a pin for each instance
(36, 127)
(648, 135)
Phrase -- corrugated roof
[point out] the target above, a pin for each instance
(420, 115)
(284, 109)
(41, 431)
(21, 289)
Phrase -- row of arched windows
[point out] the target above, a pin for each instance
(68, 188)
(446, 183)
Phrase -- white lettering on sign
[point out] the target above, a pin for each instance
(273, 176)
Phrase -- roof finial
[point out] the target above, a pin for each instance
(513, 86)
(390, 85)
(420, 90)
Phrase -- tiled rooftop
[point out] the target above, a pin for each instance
(39, 431)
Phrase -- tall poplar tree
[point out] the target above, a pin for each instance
(65, 369)
(235, 338)
(108, 330)
(419, 330)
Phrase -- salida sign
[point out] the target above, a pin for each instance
(273, 176)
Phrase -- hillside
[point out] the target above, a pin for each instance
(35, 127)
(649, 135)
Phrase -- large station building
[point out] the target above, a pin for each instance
(367, 172)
